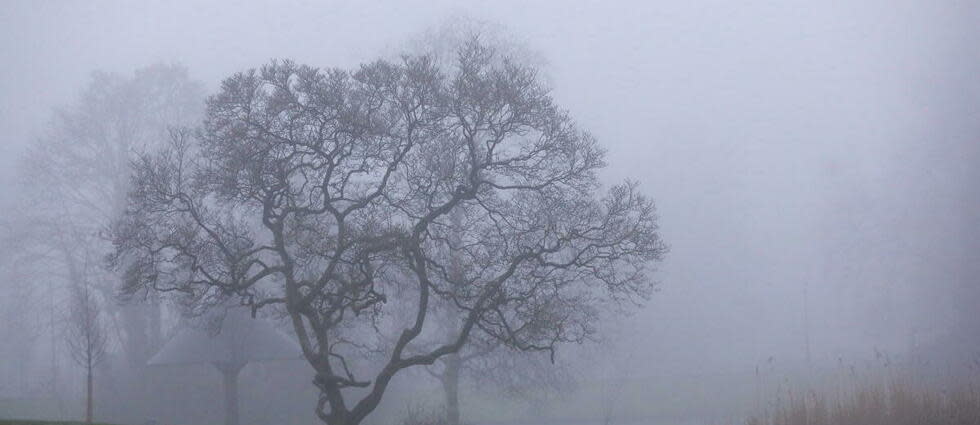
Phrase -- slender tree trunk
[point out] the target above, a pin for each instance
(450, 384)
(55, 385)
(88, 393)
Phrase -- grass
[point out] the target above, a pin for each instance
(896, 404)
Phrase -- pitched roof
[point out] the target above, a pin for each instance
(237, 339)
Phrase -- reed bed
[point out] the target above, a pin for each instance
(894, 404)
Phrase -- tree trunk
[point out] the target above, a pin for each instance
(450, 384)
(229, 373)
(88, 393)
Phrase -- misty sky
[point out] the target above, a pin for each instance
(788, 144)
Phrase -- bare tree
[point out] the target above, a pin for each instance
(86, 337)
(326, 192)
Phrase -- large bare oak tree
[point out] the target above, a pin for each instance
(331, 195)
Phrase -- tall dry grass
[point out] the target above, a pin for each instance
(895, 404)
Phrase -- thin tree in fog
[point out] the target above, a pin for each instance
(321, 192)
(86, 337)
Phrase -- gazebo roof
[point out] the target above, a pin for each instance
(239, 340)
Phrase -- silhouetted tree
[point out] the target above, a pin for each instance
(326, 192)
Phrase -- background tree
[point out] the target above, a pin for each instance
(326, 192)
(74, 184)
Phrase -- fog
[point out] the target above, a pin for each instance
(813, 166)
